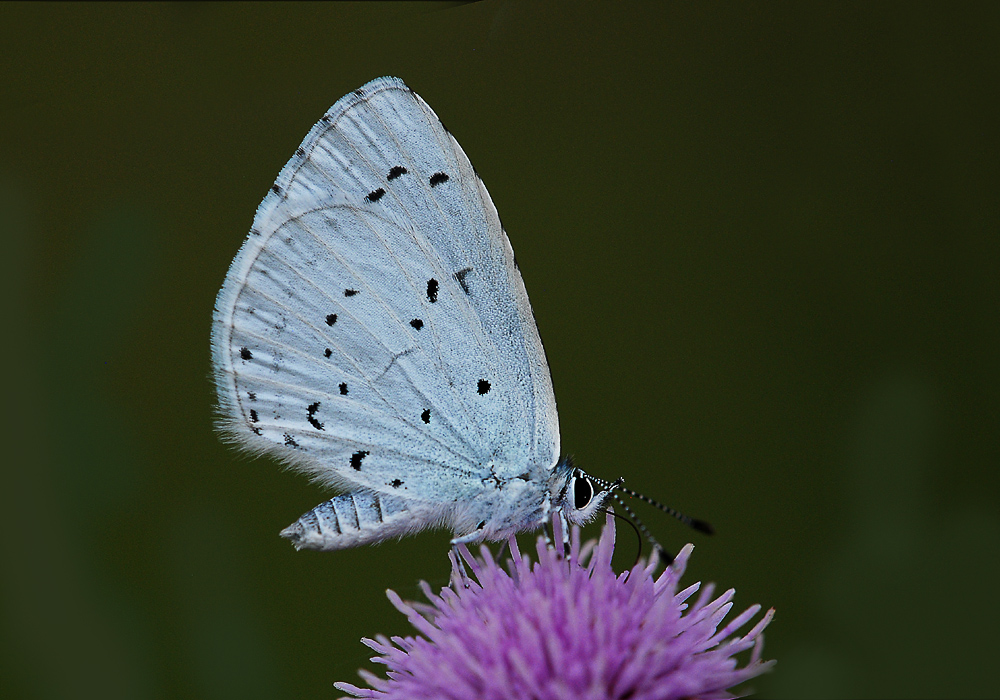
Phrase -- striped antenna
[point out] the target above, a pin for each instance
(699, 525)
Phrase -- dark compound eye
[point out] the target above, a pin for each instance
(583, 491)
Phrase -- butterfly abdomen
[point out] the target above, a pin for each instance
(353, 519)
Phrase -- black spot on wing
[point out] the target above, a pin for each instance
(395, 172)
(299, 152)
(350, 292)
(245, 354)
(417, 323)
(426, 415)
(432, 290)
(276, 188)
(438, 178)
(357, 457)
(375, 195)
(290, 441)
(483, 387)
(331, 319)
(311, 416)
(460, 276)
(327, 352)
(395, 483)
(252, 395)
(253, 416)
(343, 388)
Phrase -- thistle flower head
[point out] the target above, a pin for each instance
(566, 627)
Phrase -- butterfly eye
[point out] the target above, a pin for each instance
(583, 490)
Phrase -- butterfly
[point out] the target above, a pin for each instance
(374, 332)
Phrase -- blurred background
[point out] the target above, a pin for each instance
(762, 248)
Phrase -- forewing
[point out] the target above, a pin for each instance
(374, 330)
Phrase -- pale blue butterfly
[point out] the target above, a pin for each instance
(374, 332)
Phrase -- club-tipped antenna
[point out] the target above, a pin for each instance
(693, 523)
(699, 525)
(634, 519)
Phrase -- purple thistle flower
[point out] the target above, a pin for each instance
(565, 628)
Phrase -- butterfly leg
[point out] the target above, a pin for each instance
(474, 536)
(564, 526)
(459, 572)
(456, 552)
(550, 535)
(547, 533)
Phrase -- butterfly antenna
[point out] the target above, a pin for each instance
(693, 523)
(640, 527)
(634, 519)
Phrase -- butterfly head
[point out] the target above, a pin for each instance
(583, 496)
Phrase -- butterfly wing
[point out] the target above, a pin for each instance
(374, 330)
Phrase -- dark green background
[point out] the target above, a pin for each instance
(762, 247)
